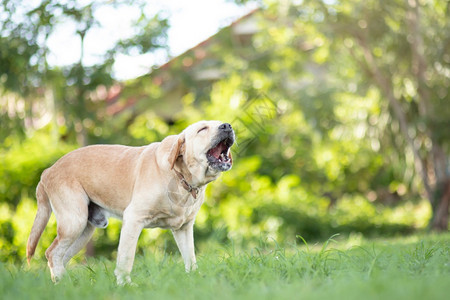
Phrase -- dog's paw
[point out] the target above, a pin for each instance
(126, 283)
(125, 280)
(191, 268)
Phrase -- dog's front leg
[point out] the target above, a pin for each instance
(129, 235)
(184, 238)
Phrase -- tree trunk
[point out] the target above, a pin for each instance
(441, 211)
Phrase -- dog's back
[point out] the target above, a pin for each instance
(106, 173)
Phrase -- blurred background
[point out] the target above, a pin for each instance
(341, 109)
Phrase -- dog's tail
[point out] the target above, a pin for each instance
(44, 211)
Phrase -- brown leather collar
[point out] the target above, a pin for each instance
(193, 190)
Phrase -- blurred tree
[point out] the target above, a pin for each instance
(394, 51)
(70, 90)
(401, 48)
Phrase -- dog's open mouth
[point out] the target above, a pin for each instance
(219, 156)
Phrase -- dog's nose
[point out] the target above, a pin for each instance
(226, 127)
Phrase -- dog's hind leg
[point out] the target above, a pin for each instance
(96, 218)
(70, 205)
(69, 230)
(79, 243)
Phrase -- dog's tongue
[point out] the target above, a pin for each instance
(216, 151)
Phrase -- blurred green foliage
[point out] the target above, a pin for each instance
(319, 150)
(22, 162)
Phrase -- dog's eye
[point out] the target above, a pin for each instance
(204, 128)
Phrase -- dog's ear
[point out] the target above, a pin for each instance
(177, 150)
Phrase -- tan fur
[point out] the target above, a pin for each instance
(136, 184)
(41, 220)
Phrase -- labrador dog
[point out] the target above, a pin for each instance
(158, 185)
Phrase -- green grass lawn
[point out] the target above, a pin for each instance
(416, 267)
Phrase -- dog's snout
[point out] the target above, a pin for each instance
(226, 127)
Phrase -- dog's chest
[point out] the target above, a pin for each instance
(175, 212)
